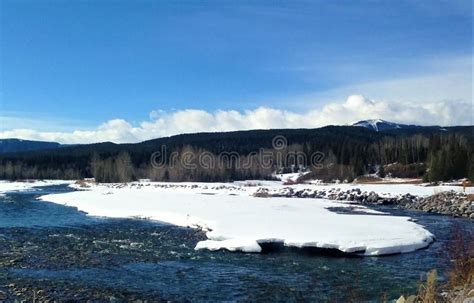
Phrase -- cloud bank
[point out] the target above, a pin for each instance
(164, 123)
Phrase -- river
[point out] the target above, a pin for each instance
(50, 251)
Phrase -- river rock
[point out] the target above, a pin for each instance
(401, 300)
(452, 203)
(373, 197)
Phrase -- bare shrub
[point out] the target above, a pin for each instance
(461, 254)
(398, 170)
(428, 292)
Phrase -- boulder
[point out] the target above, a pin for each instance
(373, 197)
(401, 300)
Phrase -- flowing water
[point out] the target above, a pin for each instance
(50, 251)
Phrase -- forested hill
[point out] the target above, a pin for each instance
(347, 152)
(18, 145)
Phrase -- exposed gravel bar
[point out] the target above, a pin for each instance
(451, 203)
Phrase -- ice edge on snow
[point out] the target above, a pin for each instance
(253, 245)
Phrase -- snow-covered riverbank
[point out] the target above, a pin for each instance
(8, 186)
(447, 200)
(237, 221)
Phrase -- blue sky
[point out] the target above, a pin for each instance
(74, 65)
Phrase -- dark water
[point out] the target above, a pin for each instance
(56, 252)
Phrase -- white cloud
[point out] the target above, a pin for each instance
(436, 79)
(163, 123)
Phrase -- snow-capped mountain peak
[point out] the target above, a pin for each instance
(380, 125)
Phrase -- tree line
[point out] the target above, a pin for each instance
(347, 152)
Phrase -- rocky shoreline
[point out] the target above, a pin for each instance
(451, 203)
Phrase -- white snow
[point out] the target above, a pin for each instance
(8, 186)
(387, 189)
(290, 177)
(374, 124)
(237, 221)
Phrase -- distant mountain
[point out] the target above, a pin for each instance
(18, 145)
(382, 125)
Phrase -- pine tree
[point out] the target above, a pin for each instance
(471, 168)
(381, 172)
(434, 168)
